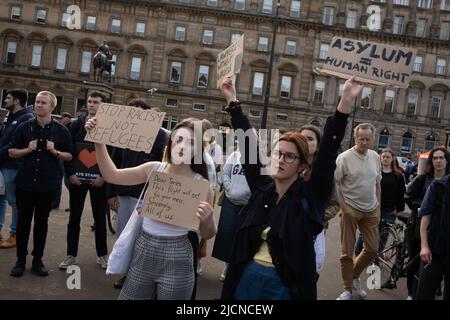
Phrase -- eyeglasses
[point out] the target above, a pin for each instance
(289, 157)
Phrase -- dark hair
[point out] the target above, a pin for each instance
(20, 94)
(430, 159)
(140, 103)
(98, 94)
(66, 115)
(314, 129)
(301, 143)
(394, 167)
(198, 168)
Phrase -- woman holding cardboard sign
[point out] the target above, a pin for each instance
(162, 265)
(273, 251)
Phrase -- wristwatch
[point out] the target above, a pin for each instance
(232, 105)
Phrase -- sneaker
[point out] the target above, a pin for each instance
(68, 261)
(358, 288)
(346, 295)
(103, 261)
(409, 298)
(199, 268)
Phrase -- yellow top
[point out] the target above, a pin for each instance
(263, 256)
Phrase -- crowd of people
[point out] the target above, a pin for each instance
(271, 233)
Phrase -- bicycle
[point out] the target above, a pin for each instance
(392, 258)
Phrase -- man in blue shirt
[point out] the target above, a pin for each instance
(41, 143)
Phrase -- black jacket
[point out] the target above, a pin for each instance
(294, 221)
(125, 158)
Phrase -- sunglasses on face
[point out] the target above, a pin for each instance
(289, 157)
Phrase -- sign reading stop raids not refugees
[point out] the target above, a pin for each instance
(174, 199)
(229, 61)
(126, 127)
(372, 63)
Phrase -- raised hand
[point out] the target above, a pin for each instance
(350, 91)
(90, 124)
(228, 89)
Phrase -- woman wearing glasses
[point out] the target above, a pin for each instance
(273, 251)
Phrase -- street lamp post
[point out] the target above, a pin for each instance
(269, 74)
(350, 144)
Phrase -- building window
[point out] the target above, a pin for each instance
(290, 47)
(281, 116)
(323, 52)
(172, 103)
(36, 56)
(235, 37)
(365, 97)
(426, 4)
(441, 66)
(175, 72)
(412, 103)
(319, 88)
(285, 90)
(421, 28)
(212, 3)
(199, 107)
(180, 34)
(407, 140)
(398, 25)
(86, 61)
(295, 8)
(113, 65)
(389, 98)
(316, 122)
(267, 6)
(351, 19)
(239, 4)
(135, 68)
(115, 25)
(445, 4)
(41, 15)
(417, 64)
(61, 59)
(340, 91)
(208, 36)
(203, 73)
(435, 106)
(140, 29)
(169, 122)
(11, 53)
(445, 31)
(258, 82)
(90, 23)
(65, 19)
(383, 140)
(328, 15)
(402, 2)
(184, 1)
(255, 113)
(263, 44)
(16, 12)
(430, 142)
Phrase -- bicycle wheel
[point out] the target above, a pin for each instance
(388, 255)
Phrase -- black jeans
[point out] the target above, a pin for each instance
(430, 279)
(99, 206)
(39, 204)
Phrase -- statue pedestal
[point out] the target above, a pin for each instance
(90, 86)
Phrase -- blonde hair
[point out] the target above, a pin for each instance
(51, 96)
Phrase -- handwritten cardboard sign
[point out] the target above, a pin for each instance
(372, 63)
(126, 127)
(85, 163)
(174, 199)
(229, 61)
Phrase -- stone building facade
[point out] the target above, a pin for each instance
(172, 45)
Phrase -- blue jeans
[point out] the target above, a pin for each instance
(126, 207)
(10, 196)
(259, 282)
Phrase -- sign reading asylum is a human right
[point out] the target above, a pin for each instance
(372, 63)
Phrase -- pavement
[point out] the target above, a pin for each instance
(95, 285)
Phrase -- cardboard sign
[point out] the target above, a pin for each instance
(229, 61)
(126, 127)
(174, 199)
(85, 164)
(372, 63)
